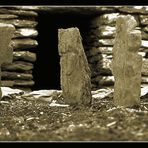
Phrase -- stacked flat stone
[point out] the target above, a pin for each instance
(101, 40)
(98, 42)
(19, 73)
(99, 52)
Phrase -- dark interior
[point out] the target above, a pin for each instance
(46, 71)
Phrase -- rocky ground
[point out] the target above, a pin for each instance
(50, 119)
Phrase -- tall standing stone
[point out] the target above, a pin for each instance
(6, 52)
(127, 64)
(75, 72)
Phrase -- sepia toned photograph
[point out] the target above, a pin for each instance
(73, 73)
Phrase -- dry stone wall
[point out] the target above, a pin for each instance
(100, 41)
(19, 73)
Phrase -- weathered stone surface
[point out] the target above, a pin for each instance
(75, 72)
(24, 55)
(105, 31)
(23, 83)
(105, 50)
(25, 32)
(69, 9)
(109, 19)
(105, 19)
(144, 35)
(145, 67)
(7, 83)
(17, 83)
(107, 71)
(7, 92)
(100, 50)
(91, 10)
(15, 76)
(145, 80)
(42, 95)
(107, 56)
(18, 12)
(103, 65)
(144, 91)
(134, 9)
(145, 29)
(24, 43)
(6, 33)
(144, 50)
(101, 60)
(109, 80)
(20, 23)
(106, 42)
(143, 54)
(107, 9)
(127, 64)
(144, 19)
(25, 7)
(102, 93)
(144, 44)
(8, 16)
(17, 66)
(23, 13)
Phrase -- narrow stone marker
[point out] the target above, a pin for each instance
(75, 72)
(127, 63)
(6, 52)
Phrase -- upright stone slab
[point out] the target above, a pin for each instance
(6, 52)
(75, 72)
(127, 64)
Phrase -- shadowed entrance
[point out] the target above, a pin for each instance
(46, 72)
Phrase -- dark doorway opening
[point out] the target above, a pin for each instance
(46, 71)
